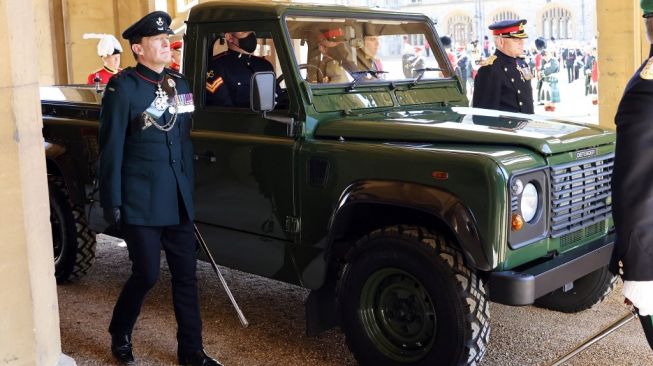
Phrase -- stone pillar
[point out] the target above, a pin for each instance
(29, 334)
(622, 46)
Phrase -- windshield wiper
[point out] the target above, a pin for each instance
(357, 76)
(421, 74)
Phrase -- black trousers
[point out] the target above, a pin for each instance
(647, 324)
(144, 244)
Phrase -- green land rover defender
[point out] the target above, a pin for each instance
(359, 172)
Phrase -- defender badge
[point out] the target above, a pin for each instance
(584, 154)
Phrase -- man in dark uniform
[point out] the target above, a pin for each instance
(229, 73)
(632, 192)
(146, 184)
(503, 81)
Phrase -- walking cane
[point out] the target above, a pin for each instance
(200, 239)
(597, 337)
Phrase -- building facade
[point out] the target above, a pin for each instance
(468, 20)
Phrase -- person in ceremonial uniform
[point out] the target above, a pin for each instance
(503, 81)
(632, 192)
(175, 47)
(146, 185)
(109, 50)
(229, 73)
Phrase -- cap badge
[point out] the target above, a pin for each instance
(521, 27)
(159, 22)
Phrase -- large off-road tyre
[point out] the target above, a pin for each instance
(73, 240)
(588, 291)
(406, 297)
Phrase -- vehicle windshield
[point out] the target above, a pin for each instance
(332, 50)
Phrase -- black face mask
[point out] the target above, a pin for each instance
(248, 44)
(338, 52)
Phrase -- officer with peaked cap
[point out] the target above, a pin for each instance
(146, 185)
(632, 193)
(503, 81)
(109, 50)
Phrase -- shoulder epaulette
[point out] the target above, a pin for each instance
(647, 70)
(488, 61)
(126, 71)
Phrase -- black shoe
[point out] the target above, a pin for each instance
(121, 348)
(197, 358)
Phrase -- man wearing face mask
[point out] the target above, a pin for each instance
(229, 73)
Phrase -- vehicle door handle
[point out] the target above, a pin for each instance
(209, 156)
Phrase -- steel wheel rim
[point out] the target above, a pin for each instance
(398, 315)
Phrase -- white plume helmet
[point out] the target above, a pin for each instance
(107, 45)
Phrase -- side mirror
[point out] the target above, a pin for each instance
(262, 91)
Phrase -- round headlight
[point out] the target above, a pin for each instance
(529, 201)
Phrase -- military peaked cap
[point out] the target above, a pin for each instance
(152, 24)
(513, 28)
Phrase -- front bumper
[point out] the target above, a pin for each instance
(522, 288)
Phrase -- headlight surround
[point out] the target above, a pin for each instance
(529, 202)
(529, 205)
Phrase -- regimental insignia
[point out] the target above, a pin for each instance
(210, 74)
(171, 83)
(488, 61)
(213, 86)
(161, 100)
(647, 71)
(159, 22)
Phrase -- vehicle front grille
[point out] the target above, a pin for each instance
(580, 194)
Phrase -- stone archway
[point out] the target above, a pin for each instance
(503, 14)
(460, 26)
(557, 21)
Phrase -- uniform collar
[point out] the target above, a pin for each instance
(149, 74)
(502, 56)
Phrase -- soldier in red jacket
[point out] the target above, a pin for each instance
(109, 50)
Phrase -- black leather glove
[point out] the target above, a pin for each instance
(112, 215)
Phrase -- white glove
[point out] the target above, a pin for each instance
(640, 293)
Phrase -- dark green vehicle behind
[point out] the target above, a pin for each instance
(403, 211)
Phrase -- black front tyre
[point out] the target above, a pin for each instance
(406, 297)
(586, 292)
(73, 240)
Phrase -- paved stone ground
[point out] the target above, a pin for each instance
(521, 336)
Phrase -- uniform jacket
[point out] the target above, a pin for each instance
(632, 191)
(146, 172)
(229, 76)
(499, 84)
(104, 74)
